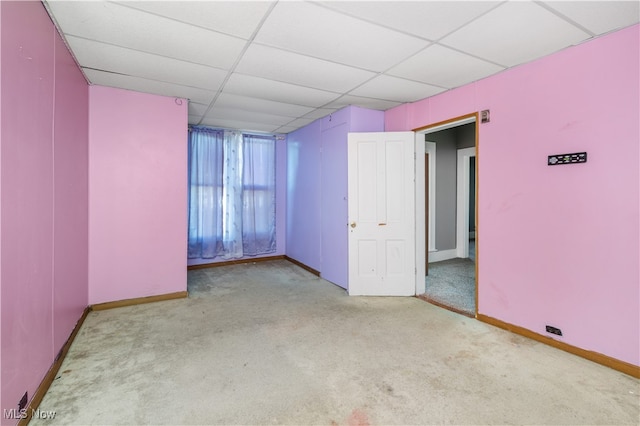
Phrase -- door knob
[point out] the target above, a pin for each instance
(353, 224)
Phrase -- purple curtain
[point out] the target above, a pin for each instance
(231, 194)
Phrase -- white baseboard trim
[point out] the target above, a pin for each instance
(440, 255)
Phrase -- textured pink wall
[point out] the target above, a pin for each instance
(137, 195)
(43, 136)
(557, 245)
(71, 195)
(1, 320)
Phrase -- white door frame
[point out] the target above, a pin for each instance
(421, 244)
(430, 148)
(462, 205)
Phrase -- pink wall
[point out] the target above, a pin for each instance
(557, 245)
(137, 195)
(44, 200)
(1, 321)
(71, 194)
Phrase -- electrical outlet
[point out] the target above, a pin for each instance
(23, 402)
(554, 330)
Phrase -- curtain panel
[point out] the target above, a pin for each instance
(231, 194)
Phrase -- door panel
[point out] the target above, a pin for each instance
(334, 259)
(381, 207)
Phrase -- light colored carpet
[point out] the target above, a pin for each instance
(269, 343)
(452, 283)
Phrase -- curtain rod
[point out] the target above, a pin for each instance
(278, 136)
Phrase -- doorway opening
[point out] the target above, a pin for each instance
(446, 200)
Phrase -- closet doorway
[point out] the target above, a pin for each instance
(450, 214)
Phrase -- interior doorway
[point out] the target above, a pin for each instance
(450, 214)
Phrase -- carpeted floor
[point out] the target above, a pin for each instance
(270, 343)
(452, 283)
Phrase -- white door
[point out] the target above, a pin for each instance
(381, 208)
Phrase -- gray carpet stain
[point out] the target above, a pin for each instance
(452, 283)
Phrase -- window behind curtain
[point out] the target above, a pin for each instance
(258, 195)
(231, 194)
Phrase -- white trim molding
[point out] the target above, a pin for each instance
(420, 225)
(462, 213)
(430, 148)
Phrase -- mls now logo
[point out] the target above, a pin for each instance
(20, 414)
(44, 415)
(15, 414)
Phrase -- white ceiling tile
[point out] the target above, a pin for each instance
(280, 65)
(320, 112)
(194, 119)
(244, 125)
(286, 129)
(262, 88)
(322, 33)
(515, 32)
(107, 57)
(148, 86)
(428, 19)
(123, 26)
(300, 122)
(238, 18)
(228, 100)
(599, 17)
(444, 67)
(197, 109)
(244, 115)
(371, 103)
(395, 89)
(310, 59)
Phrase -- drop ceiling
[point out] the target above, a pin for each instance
(275, 66)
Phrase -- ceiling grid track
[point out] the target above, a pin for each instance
(276, 66)
(238, 59)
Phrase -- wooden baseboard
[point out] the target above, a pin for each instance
(303, 266)
(235, 262)
(139, 301)
(442, 305)
(616, 364)
(53, 372)
(257, 259)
